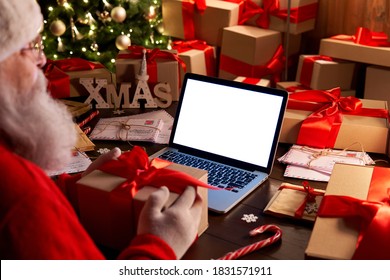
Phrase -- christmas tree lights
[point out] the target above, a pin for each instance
(96, 30)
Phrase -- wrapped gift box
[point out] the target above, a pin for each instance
(337, 237)
(292, 201)
(254, 81)
(302, 18)
(322, 72)
(167, 69)
(111, 216)
(377, 83)
(199, 57)
(184, 20)
(69, 71)
(349, 50)
(370, 132)
(294, 86)
(210, 24)
(248, 50)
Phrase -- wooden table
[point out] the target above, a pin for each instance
(228, 232)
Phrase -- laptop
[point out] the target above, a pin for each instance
(229, 128)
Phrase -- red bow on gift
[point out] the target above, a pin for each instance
(321, 128)
(373, 214)
(139, 172)
(183, 46)
(364, 36)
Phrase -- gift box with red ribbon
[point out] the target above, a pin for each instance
(162, 67)
(64, 76)
(110, 199)
(199, 19)
(254, 81)
(353, 220)
(325, 119)
(273, 14)
(324, 72)
(294, 201)
(199, 57)
(294, 86)
(250, 51)
(364, 46)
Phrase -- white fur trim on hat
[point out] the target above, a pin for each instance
(20, 23)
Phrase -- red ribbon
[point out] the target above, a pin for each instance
(307, 68)
(321, 128)
(58, 80)
(139, 172)
(183, 46)
(136, 52)
(252, 81)
(364, 36)
(273, 67)
(311, 194)
(187, 11)
(373, 214)
(272, 8)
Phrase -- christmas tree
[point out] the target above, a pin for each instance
(96, 30)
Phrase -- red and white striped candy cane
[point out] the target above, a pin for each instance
(258, 245)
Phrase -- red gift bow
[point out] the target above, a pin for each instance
(137, 52)
(58, 80)
(364, 36)
(183, 46)
(307, 68)
(272, 7)
(321, 128)
(139, 172)
(273, 67)
(311, 194)
(373, 214)
(187, 11)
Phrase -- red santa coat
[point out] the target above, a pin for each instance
(38, 222)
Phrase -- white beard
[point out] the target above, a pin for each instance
(36, 126)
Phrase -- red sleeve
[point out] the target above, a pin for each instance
(67, 184)
(148, 247)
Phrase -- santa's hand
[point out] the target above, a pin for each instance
(178, 224)
(111, 155)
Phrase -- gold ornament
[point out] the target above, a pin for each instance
(57, 27)
(118, 14)
(122, 42)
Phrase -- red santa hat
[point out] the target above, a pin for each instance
(20, 23)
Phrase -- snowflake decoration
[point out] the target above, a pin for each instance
(311, 208)
(118, 112)
(249, 218)
(103, 150)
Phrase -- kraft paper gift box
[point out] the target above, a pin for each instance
(377, 83)
(294, 86)
(162, 67)
(209, 25)
(323, 72)
(362, 47)
(109, 211)
(250, 51)
(198, 57)
(366, 132)
(64, 76)
(353, 190)
(302, 16)
(254, 81)
(293, 201)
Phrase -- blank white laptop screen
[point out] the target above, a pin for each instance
(228, 121)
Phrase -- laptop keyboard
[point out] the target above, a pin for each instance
(219, 175)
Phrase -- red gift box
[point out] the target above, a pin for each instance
(110, 199)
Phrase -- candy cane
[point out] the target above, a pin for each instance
(258, 245)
